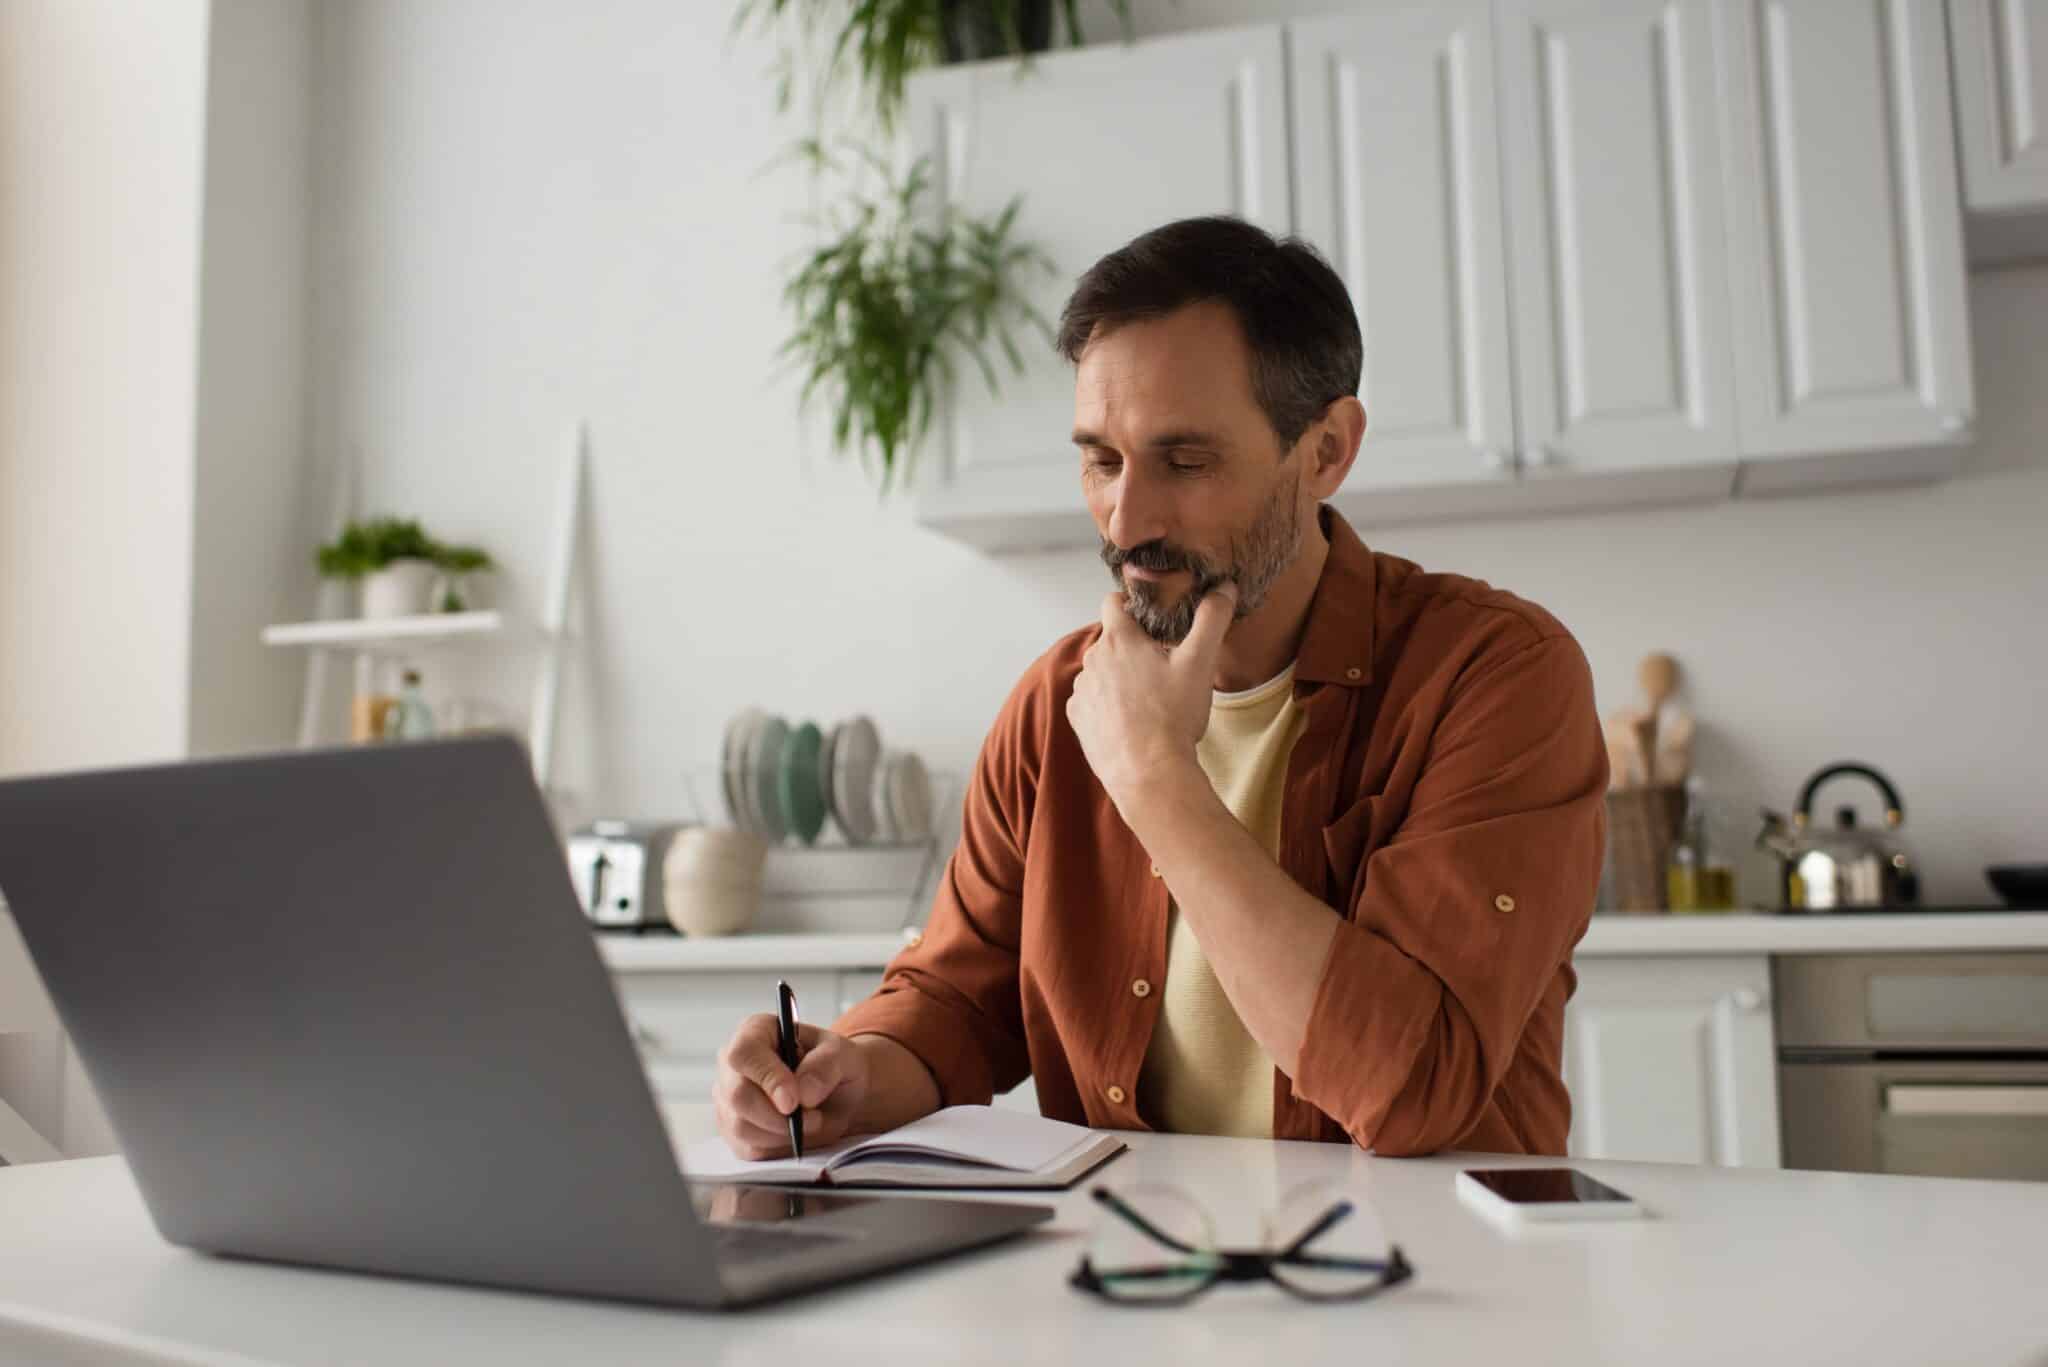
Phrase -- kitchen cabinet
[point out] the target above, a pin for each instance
(1844, 229)
(681, 1019)
(1620, 283)
(1102, 143)
(1405, 98)
(2001, 98)
(1601, 251)
(1671, 1060)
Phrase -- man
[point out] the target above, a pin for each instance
(1296, 842)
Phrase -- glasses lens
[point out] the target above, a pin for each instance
(1345, 1250)
(1131, 1259)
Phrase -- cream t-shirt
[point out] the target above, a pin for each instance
(1203, 1072)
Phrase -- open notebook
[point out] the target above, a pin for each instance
(960, 1146)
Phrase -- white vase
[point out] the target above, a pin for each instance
(403, 588)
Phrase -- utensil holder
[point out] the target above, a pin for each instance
(1642, 827)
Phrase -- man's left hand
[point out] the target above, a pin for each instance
(1138, 708)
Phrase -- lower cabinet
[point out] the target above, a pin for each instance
(1669, 1059)
(681, 1019)
(1672, 1060)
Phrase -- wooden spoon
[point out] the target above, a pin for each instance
(1658, 676)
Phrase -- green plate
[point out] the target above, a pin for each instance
(796, 783)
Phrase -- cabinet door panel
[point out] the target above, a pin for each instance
(2001, 69)
(1102, 144)
(681, 1020)
(1397, 181)
(1844, 227)
(1615, 232)
(1672, 1061)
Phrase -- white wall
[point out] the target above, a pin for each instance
(102, 105)
(153, 232)
(529, 213)
(101, 111)
(255, 520)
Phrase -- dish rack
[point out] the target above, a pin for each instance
(834, 886)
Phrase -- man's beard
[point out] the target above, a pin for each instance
(1258, 556)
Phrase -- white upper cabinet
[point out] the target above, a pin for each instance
(1845, 240)
(2001, 68)
(1397, 182)
(1620, 284)
(1103, 144)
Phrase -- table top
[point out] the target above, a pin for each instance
(1731, 1265)
(1609, 936)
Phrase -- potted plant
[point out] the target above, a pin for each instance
(890, 299)
(398, 564)
(887, 40)
(457, 564)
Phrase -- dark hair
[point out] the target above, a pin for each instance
(1297, 318)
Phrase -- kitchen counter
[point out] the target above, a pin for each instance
(1609, 935)
(1732, 1265)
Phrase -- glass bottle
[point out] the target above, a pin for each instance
(410, 718)
(1698, 877)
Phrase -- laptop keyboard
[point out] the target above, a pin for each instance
(755, 1243)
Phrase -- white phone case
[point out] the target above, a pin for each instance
(1521, 1215)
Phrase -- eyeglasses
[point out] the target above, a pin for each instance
(1154, 1246)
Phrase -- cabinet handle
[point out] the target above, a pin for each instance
(1954, 1099)
(1745, 999)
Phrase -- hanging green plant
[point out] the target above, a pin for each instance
(892, 296)
(884, 41)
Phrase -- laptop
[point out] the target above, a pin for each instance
(343, 1010)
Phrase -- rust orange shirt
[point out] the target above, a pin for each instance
(1446, 799)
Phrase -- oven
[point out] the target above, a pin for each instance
(1929, 1064)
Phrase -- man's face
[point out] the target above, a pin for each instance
(1183, 473)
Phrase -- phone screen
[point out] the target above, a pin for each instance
(1543, 1186)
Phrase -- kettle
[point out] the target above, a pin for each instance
(1845, 866)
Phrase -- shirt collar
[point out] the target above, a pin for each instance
(1337, 643)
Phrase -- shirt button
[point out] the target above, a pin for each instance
(1503, 903)
(1352, 672)
(1116, 1095)
(1155, 870)
(914, 939)
(1141, 988)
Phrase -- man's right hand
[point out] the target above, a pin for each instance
(755, 1092)
(845, 1086)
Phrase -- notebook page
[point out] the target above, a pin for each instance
(982, 1134)
(713, 1159)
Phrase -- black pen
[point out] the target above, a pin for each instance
(785, 1044)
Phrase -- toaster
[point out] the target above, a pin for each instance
(616, 869)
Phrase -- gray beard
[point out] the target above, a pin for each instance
(1258, 556)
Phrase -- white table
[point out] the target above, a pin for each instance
(1737, 1266)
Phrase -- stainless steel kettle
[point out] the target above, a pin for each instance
(1847, 865)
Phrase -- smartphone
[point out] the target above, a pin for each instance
(1522, 1196)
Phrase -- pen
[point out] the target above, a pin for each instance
(785, 1044)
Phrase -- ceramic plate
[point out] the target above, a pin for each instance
(910, 797)
(764, 758)
(825, 777)
(885, 815)
(732, 763)
(856, 747)
(796, 784)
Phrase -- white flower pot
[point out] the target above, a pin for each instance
(403, 588)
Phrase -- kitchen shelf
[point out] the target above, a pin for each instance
(388, 635)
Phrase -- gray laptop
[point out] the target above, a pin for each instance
(343, 1009)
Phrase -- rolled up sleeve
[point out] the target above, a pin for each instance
(952, 997)
(1468, 912)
